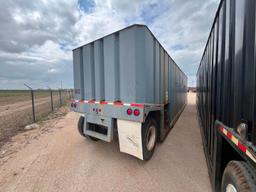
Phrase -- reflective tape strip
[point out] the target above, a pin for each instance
(242, 147)
(108, 103)
(83, 101)
(118, 103)
(136, 105)
(238, 144)
(225, 131)
(235, 140)
(249, 154)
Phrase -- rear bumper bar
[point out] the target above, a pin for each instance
(244, 147)
(116, 110)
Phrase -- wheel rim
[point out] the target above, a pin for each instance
(151, 137)
(230, 188)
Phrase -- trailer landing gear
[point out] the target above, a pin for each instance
(238, 177)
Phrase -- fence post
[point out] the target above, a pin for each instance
(33, 105)
(60, 97)
(33, 102)
(51, 99)
(52, 107)
(72, 93)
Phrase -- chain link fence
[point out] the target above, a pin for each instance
(19, 108)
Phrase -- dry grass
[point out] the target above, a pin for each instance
(16, 109)
(13, 96)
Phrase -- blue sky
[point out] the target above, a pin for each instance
(86, 5)
(37, 37)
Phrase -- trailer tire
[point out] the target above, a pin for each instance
(93, 138)
(149, 138)
(80, 127)
(238, 176)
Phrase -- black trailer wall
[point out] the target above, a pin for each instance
(227, 73)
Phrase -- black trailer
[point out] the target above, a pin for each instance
(226, 97)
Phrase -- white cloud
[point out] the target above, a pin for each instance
(94, 25)
(39, 35)
(52, 70)
(188, 26)
(50, 52)
(18, 18)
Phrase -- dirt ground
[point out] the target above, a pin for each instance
(56, 158)
(15, 116)
(16, 109)
(8, 97)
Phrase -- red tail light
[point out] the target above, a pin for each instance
(129, 111)
(136, 112)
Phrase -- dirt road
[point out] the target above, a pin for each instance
(59, 159)
(15, 116)
(23, 105)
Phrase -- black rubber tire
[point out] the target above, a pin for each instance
(93, 138)
(240, 175)
(147, 154)
(80, 129)
(80, 126)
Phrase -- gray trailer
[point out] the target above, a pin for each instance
(127, 83)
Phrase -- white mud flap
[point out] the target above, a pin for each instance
(130, 140)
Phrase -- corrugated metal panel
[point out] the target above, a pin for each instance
(150, 69)
(99, 64)
(129, 66)
(226, 77)
(111, 66)
(89, 74)
(78, 76)
(157, 90)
